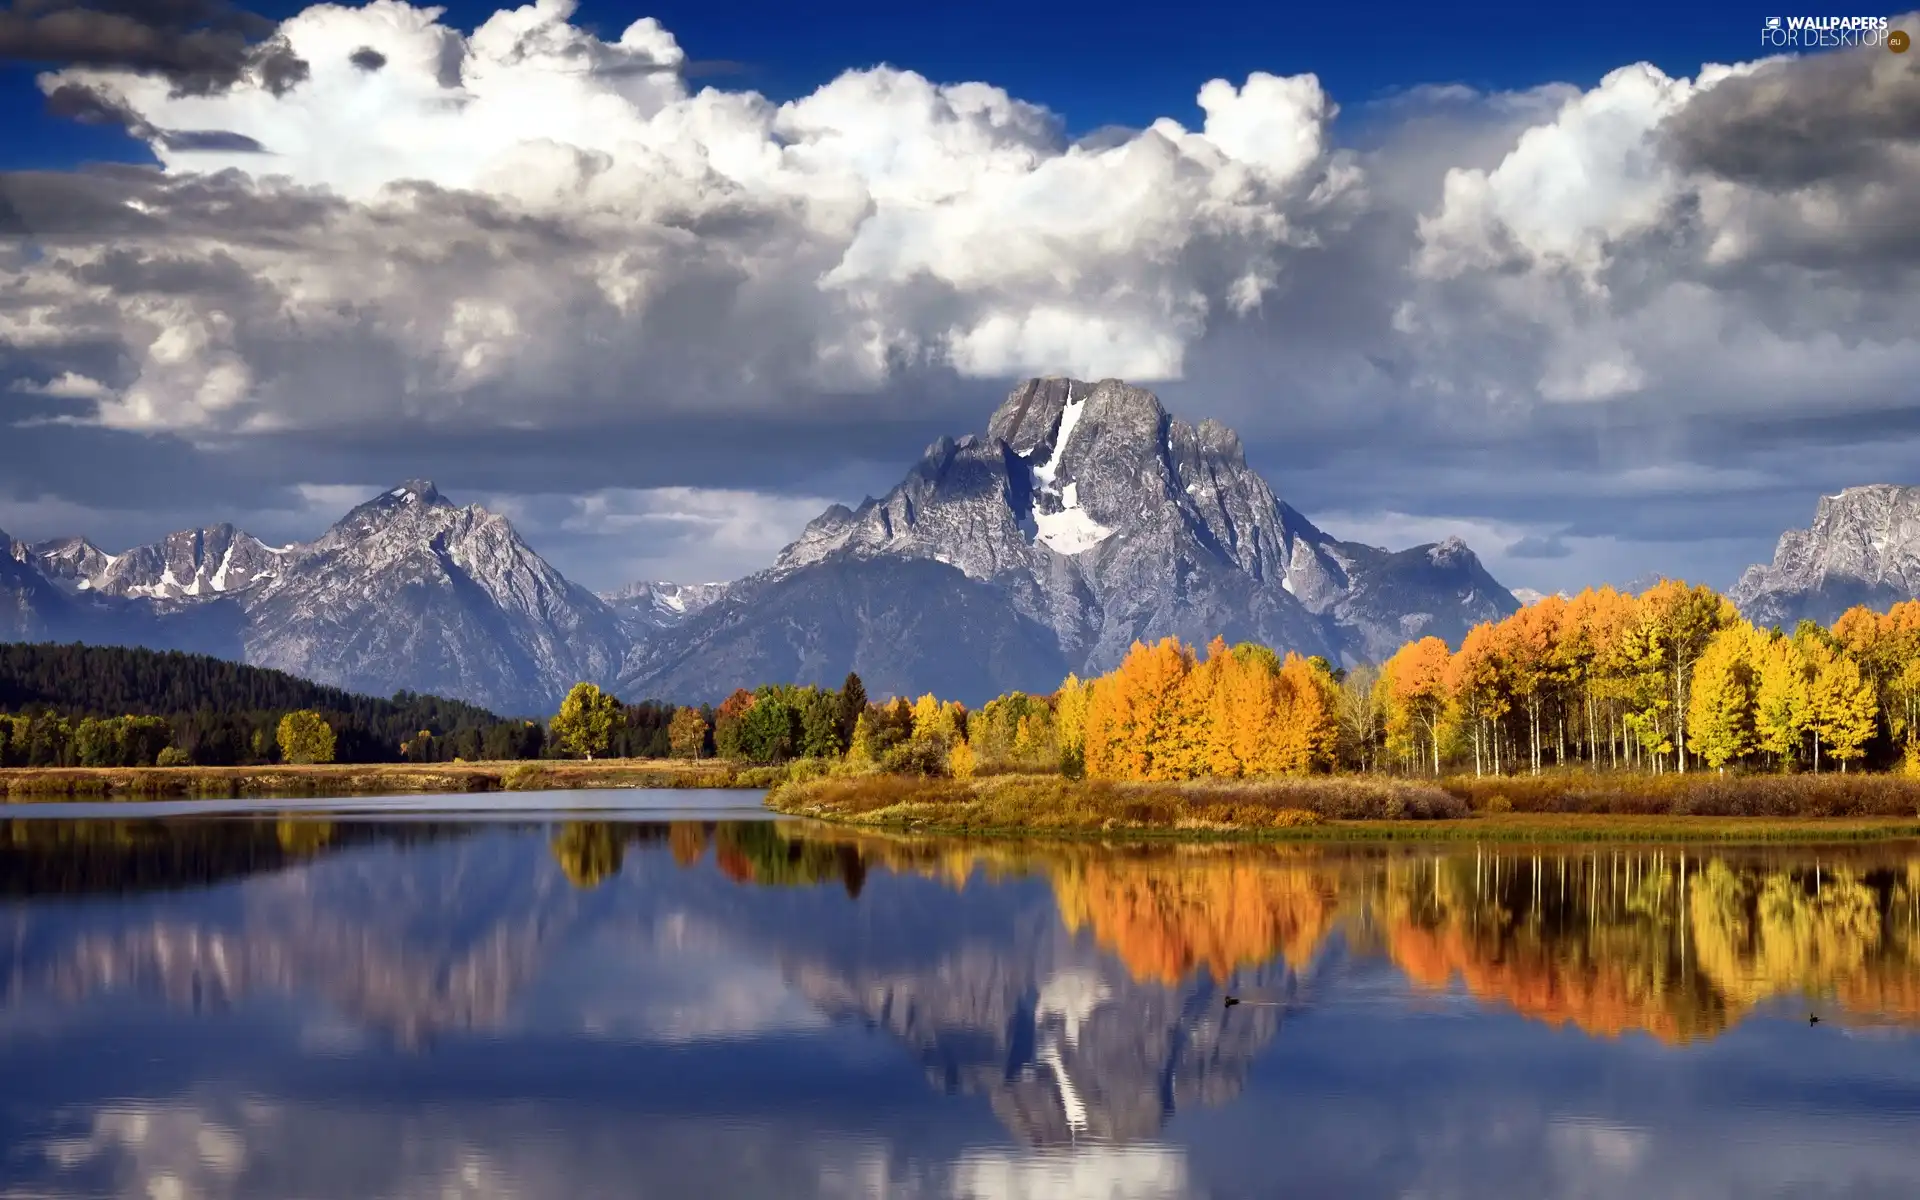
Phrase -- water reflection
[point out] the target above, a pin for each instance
(310, 1007)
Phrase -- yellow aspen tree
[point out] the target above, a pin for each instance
(1104, 737)
(1780, 701)
(1473, 684)
(1720, 716)
(1677, 621)
(1841, 706)
(1247, 704)
(1416, 681)
(1149, 707)
(1309, 728)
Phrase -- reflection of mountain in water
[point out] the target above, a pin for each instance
(1064, 1046)
(1077, 987)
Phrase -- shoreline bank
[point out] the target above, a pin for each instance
(1369, 808)
(23, 785)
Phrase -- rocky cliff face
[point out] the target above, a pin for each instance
(1862, 548)
(410, 590)
(1087, 511)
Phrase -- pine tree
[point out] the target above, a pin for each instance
(853, 705)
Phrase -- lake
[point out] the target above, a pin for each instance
(665, 994)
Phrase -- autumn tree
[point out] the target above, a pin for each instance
(1841, 706)
(1676, 622)
(1781, 715)
(1134, 719)
(1414, 687)
(585, 723)
(1360, 717)
(1726, 679)
(687, 734)
(305, 737)
(1475, 683)
(1070, 723)
(726, 723)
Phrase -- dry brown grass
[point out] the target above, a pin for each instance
(1544, 809)
(153, 783)
(1697, 794)
(1050, 803)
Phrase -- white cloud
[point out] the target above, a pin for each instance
(615, 215)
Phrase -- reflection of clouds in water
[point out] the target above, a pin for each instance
(683, 983)
(153, 1151)
(1091, 1173)
(204, 1148)
(1599, 1143)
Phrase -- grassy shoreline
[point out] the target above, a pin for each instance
(1536, 809)
(134, 784)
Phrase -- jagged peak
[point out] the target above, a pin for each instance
(418, 491)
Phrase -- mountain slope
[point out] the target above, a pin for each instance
(1862, 548)
(409, 590)
(655, 604)
(907, 626)
(1089, 512)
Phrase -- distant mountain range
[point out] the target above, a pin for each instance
(1083, 519)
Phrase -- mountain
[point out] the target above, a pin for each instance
(1085, 519)
(654, 604)
(407, 592)
(194, 562)
(410, 590)
(1863, 548)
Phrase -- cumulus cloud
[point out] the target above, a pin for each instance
(534, 234)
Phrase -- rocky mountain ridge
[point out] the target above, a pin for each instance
(1089, 513)
(1862, 548)
(407, 591)
(1086, 518)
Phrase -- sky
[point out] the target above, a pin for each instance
(1609, 293)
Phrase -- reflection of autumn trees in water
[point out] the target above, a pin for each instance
(1169, 919)
(1671, 942)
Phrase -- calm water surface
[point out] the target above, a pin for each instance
(674, 1001)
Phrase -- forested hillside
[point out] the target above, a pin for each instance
(217, 713)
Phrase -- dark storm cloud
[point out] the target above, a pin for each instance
(200, 46)
(93, 106)
(1834, 119)
(367, 59)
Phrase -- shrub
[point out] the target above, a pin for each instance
(172, 756)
